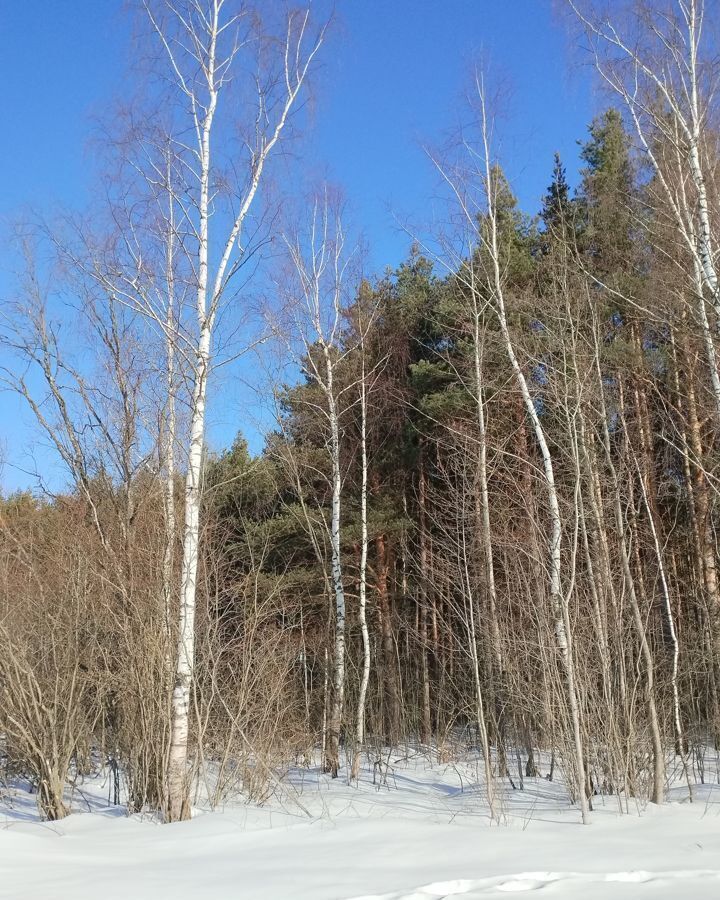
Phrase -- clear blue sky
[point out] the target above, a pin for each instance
(393, 76)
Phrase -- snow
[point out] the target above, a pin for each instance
(423, 835)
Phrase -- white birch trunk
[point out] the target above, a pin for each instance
(338, 698)
(558, 601)
(484, 493)
(362, 613)
(706, 252)
(211, 75)
(170, 423)
(178, 805)
(177, 775)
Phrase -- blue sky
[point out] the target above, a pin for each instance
(392, 80)
(397, 77)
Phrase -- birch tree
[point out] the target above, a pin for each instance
(231, 81)
(474, 185)
(362, 575)
(320, 261)
(658, 59)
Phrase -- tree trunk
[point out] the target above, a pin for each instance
(388, 643)
(425, 716)
(338, 694)
(360, 723)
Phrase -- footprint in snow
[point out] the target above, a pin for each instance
(535, 881)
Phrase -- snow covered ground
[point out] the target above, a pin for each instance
(423, 835)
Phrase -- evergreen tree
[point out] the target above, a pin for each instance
(556, 207)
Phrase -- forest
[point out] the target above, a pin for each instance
(485, 516)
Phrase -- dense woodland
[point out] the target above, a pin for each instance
(486, 519)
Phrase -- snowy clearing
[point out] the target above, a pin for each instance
(424, 835)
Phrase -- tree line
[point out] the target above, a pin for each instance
(486, 518)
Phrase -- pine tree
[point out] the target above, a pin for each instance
(556, 207)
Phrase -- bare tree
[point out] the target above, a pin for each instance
(658, 59)
(203, 43)
(362, 575)
(320, 261)
(475, 185)
(202, 166)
